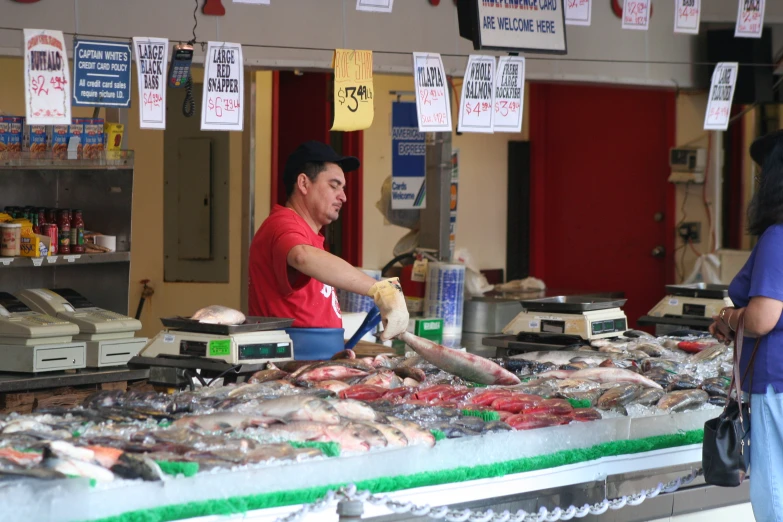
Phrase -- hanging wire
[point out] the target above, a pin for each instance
(195, 22)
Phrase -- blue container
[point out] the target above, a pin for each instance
(316, 343)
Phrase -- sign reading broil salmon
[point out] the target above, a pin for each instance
(223, 98)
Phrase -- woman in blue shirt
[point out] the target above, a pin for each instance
(758, 289)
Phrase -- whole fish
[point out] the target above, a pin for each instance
(683, 399)
(394, 436)
(560, 357)
(696, 346)
(106, 457)
(684, 382)
(613, 375)
(384, 379)
(558, 374)
(272, 373)
(407, 372)
(331, 372)
(591, 395)
(530, 421)
(716, 387)
(299, 408)
(614, 348)
(131, 466)
(355, 410)
(716, 400)
(619, 396)
(663, 364)
(652, 349)
(332, 386)
(413, 432)
(79, 468)
(368, 433)
(649, 397)
(638, 355)
(223, 421)
(217, 314)
(363, 392)
(462, 364)
(660, 376)
(585, 414)
(709, 354)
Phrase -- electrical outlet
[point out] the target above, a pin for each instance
(690, 231)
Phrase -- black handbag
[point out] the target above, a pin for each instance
(726, 449)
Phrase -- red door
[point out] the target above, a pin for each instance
(600, 200)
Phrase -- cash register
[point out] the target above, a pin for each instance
(32, 342)
(109, 336)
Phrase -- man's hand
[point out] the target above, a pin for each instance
(390, 301)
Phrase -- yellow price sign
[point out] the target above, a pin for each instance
(353, 90)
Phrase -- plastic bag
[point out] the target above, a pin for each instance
(706, 269)
(476, 283)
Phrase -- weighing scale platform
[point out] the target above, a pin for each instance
(508, 345)
(251, 324)
(171, 370)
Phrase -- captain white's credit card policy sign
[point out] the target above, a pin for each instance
(47, 92)
(377, 6)
(687, 16)
(523, 25)
(578, 12)
(509, 94)
(724, 79)
(476, 104)
(224, 88)
(636, 14)
(750, 19)
(151, 62)
(432, 97)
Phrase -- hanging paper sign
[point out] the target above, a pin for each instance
(514, 26)
(750, 19)
(377, 6)
(101, 74)
(151, 60)
(432, 98)
(408, 158)
(724, 79)
(636, 14)
(509, 94)
(353, 90)
(578, 12)
(687, 16)
(475, 111)
(47, 92)
(224, 87)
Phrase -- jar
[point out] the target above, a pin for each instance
(51, 216)
(42, 216)
(10, 238)
(64, 228)
(50, 230)
(77, 232)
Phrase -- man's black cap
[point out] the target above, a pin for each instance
(762, 146)
(315, 152)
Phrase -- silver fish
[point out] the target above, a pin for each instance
(709, 354)
(217, 314)
(299, 408)
(683, 399)
(619, 396)
(649, 397)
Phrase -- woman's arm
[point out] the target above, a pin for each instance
(761, 316)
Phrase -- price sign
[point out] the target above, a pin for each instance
(509, 94)
(151, 62)
(378, 6)
(687, 16)
(224, 89)
(750, 19)
(578, 12)
(476, 105)
(636, 14)
(724, 79)
(47, 90)
(432, 99)
(353, 90)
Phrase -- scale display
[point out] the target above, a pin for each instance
(611, 326)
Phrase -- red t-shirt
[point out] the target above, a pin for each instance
(277, 289)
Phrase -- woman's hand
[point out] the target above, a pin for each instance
(721, 330)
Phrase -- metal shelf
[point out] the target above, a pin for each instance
(107, 160)
(60, 260)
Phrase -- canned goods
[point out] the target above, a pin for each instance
(50, 230)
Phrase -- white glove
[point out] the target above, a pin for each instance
(390, 301)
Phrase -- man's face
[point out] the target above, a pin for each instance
(325, 196)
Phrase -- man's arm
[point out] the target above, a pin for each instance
(329, 269)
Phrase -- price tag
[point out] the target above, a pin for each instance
(687, 16)
(636, 14)
(224, 88)
(6, 260)
(724, 79)
(52, 259)
(578, 12)
(168, 338)
(509, 94)
(432, 99)
(151, 63)
(353, 90)
(71, 259)
(37, 261)
(533, 324)
(47, 90)
(419, 272)
(673, 302)
(750, 19)
(475, 111)
(377, 6)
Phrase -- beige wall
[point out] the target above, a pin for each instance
(481, 220)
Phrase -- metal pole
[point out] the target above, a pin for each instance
(716, 178)
(434, 232)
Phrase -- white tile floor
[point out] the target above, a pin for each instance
(738, 513)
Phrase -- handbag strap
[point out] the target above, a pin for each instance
(739, 340)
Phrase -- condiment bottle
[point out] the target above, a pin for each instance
(64, 228)
(77, 232)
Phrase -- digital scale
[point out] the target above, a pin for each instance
(687, 307)
(554, 323)
(32, 342)
(108, 335)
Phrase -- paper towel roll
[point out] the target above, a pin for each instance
(109, 242)
(351, 302)
(445, 295)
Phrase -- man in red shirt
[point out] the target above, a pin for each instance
(291, 275)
